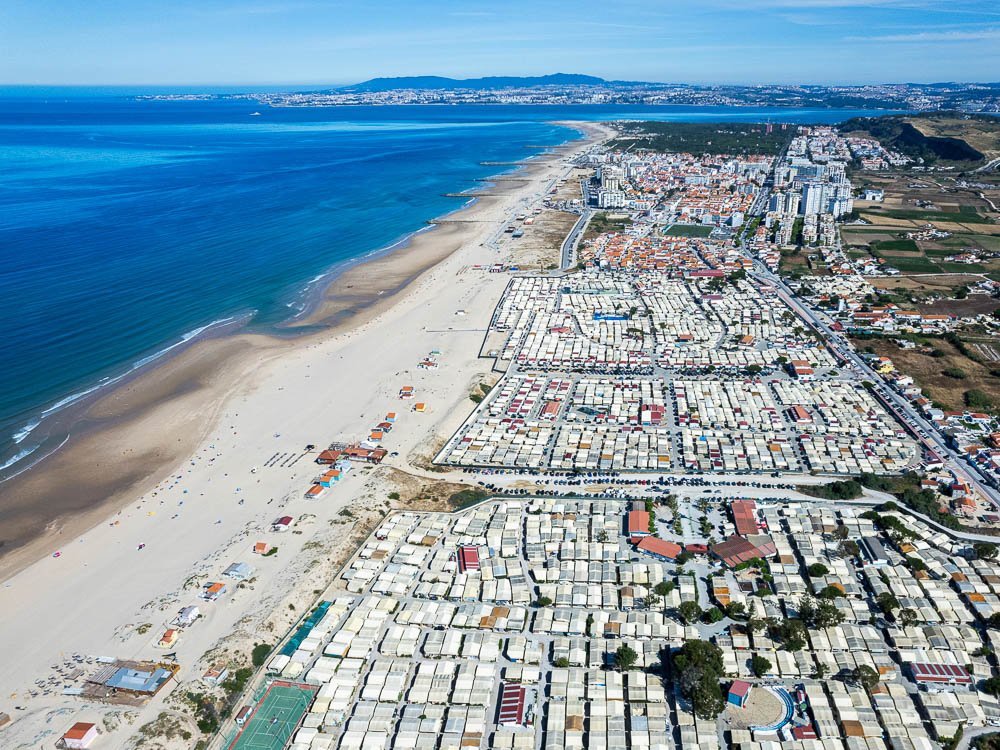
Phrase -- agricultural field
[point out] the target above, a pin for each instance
(948, 376)
(913, 202)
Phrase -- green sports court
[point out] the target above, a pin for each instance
(275, 717)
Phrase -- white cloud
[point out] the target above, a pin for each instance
(932, 36)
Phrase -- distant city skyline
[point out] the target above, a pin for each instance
(316, 43)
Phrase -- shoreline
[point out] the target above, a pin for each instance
(125, 440)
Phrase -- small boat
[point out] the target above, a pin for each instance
(141, 546)
(56, 554)
(255, 114)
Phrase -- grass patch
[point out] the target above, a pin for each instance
(913, 265)
(847, 489)
(601, 223)
(688, 230)
(467, 498)
(924, 216)
(899, 246)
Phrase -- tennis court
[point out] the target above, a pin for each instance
(275, 717)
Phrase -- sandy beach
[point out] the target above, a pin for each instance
(195, 458)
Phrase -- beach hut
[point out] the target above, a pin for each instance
(169, 638)
(420, 407)
(238, 571)
(215, 676)
(187, 616)
(80, 735)
(406, 391)
(739, 692)
(282, 524)
(261, 548)
(213, 591)
(390, 417)
(314, 491)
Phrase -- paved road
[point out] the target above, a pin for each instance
(567, 258)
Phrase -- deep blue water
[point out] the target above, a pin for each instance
(126, 226)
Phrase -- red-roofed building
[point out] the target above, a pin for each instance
(511, 705)
(737, 549)
(927, 673)
(744, 516)
(282, 524)
(806, 732)
(80, 735)
(468, 558)
(739, 691)
(638, 524)
(659, 548)
(328, 456)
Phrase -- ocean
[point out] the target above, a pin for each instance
(130, 227)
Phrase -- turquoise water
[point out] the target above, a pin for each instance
(129, 227)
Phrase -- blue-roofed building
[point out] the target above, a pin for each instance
(138, 681)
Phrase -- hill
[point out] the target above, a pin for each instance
(441, 83)
(933, 137)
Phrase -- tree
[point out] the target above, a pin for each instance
(543, 601)
(651, 600)
(848, 548)
(664, 588)
(713, 615)
(562, 662)
(820, 672)
(699, 670)
(840, 533)
(736, 610)
(689, 611)
(260, 652)
(625, 657)
(831, 592)
(817, 570)
(759, 665)
(991, 686)
(807, 609)
(887, 602)
(907, 617)
(985, 550)
(865, 676)
(828, 615)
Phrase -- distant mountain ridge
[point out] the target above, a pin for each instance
(442, 83)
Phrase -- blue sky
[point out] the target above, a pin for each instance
(310, 42)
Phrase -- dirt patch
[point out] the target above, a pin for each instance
(541, 243)
(977, 304)
(933, 283)
(421, 493)
(928, 371)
